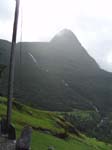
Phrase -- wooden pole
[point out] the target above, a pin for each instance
(11, 65)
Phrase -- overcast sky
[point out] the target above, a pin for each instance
(90, 20)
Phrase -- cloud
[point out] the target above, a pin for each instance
(6, 9)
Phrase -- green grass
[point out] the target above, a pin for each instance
(42, 142)
(23, 115)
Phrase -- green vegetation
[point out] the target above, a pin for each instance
(42, 141)
(91, 123)
(85, 121)
(46, 128)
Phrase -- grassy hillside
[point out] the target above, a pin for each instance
(48, 128)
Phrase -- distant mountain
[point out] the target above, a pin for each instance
(58, 75)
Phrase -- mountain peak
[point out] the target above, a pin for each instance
(65, 36)
(65, 32)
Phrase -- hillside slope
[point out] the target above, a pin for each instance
(45, 126)
(58, 75)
